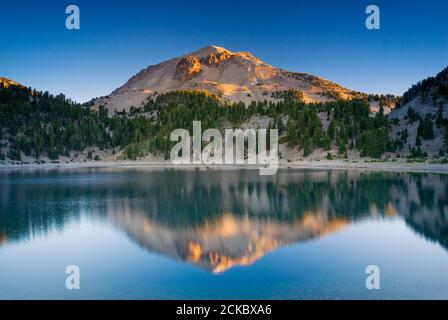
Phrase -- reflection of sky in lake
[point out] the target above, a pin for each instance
(131, 243)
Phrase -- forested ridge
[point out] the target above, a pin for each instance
(38, 124)
(437, 85)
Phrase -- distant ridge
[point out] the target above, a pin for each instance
(6, 83)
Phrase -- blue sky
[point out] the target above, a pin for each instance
(325, 38)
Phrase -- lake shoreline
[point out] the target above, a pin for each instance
(312, 165)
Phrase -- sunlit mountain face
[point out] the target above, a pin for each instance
(225, 242)
(230, 76)
(217, 220)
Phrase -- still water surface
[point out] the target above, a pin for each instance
(178, 234)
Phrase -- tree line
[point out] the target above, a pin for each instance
(37, 123)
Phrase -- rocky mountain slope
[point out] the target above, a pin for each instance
(6, 83)
(420, 119)
(232, 76)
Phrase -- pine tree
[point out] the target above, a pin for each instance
(440, 121)
(342, 149)
(425, 128)
(307, 147)
(268, 136)
(15, 154)
(418, 141)
(292, 137)
(331, 129)
(404, 135)
(326, 142)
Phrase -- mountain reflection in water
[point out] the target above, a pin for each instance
(220, 219)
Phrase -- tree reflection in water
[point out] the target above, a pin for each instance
(218, 219)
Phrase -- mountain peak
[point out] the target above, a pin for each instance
(211, 49)
(232, 76)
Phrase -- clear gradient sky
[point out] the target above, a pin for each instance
(324, 38)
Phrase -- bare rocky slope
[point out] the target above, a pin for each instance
(6, 83)
(232, 76)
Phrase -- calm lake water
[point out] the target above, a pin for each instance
(175, 234)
